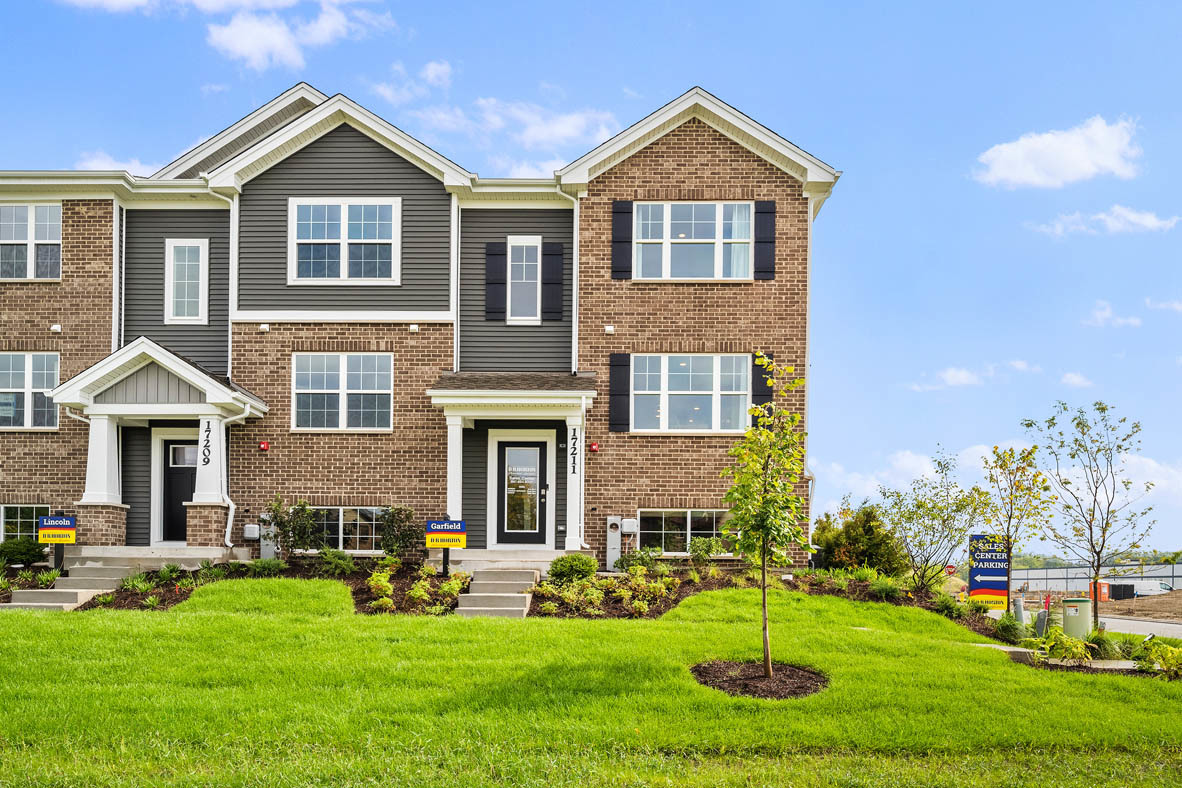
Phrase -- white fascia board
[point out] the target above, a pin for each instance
(83, 184)
(579, 171)
(338, 316)
(227, 175)
(198, 152)
(475, 401)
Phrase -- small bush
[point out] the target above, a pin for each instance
(639, 607)
(714, 573)
(267, 567)
(694, 577)
(419, 593)
(48, 577)
(645, 556)
(885, 588)
(1103, 647)
(168, 573)
(1060, 646)
(977, 608)
(390, 563)
(151, 602)
(1009, 630)
(139, 583)
(336, 563)
(864, 574)
(573, 566)
(839, 583)
(382, 603)
(292, 527)
(1167, 658)
(399, 531)
(438, 610)
(210, 574)
(104, 599)
(24, 551)
(5, 585)
(703, 548)
(379, 584)
(453, 586)
(948, 607)
(425, 571)
(25, 575)
(548, 608)
(186, 583)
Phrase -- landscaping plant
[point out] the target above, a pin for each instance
(1018, 502)
(336, 563)
(267, 567)
(932, 520)
(48, 577)
(885, 588)
(645, 557)
(1164, 657)
(24, 551)
(168, 573)
(1009, 630)
(573, 566)
(1055, 644)
(702, 549)
(856, 536)
(399, 532)
(139, 583)
(764, 498)
(1087, 454)
(292, 527)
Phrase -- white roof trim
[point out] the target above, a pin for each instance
(302, 91)
(457, 400)
(317, 122)
(81, 390)
(698, 103)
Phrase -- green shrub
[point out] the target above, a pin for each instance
(639, 607)
(694, 577)
(104, 599)
(210, 574)
(24, 551)
(379, 583)
(548, 608)
(382, 603)
(1008, 629)
(856, 537)
(645, 556)
(294, 527)
(151, 602)
(573, 566)
(1103, 647)
(864, 574)
(419, 593)
(437, 610)
(48, 577)
(5, 585)
(168, 573)
(390, 563)
(336, 563)
(453, 586)
(703, 548)
(139, 583)
(398, 530)
(25, 575)
(714, 573)
(885, 588)
(1058, 645)
(266, 567)
(977, 608)
(426, 570)
(186, 583)
(1159, 655)
(839, 583)
(948, 607)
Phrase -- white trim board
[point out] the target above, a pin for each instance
(495, 437)
(159, 435)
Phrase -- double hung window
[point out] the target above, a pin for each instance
(692, 240)
(690, 392)
(25, 382)
(349, 391)
(354, 240)
(30, 242)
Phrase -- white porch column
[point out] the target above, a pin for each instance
(455, 467)
(210, 463)
(574, 482)
(102, 462)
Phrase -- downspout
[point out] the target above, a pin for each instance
(231, 508)
(574, 285)
(70, 412)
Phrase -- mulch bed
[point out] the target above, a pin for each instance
(617, 608)
(746, 679)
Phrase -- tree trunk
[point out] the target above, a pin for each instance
(1096, 602)
(1009, 572)
(767, 646)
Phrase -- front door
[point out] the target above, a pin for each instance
(180, 477)
(523, 475)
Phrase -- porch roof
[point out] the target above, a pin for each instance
(520, 382)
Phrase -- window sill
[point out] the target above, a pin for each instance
(28, 429)
(176, 321)
(530, 322)
(683, 433)
(341, 431)
(393, 282)
(32, 281)
(691, 280)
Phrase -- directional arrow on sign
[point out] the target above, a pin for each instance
(989, 578)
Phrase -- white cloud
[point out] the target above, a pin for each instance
(101, 160)
(210, 89)
(1102, 316)
(901, 468)
(1018, 365)
(1075, 380)
(1166, 477)
(112, 5)
(437, 74)
(1064, 224)
(513, 168)
(630, 93)
(1174, 306)
(259, 41)
(220, 6)
(950, 377)
(958, 376)
(1120, 219)
(444, 117)
(1053, 159)
(533, 126)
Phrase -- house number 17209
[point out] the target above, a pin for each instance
(205, 443)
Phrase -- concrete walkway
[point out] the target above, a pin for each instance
(1142, 626)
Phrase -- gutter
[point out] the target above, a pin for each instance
(225, 491)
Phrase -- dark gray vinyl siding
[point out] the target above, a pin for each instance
(344, 163)
(137, 484)
(475, 489)
(207, 345)
(249, 137)
(150, 384)
(487, 345)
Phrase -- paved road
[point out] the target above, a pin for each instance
(1143, 626)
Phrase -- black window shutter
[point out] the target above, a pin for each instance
(552, 281)
(765, 239)
(619, 390)
(622, 239)
(761, 389)
(495, 255)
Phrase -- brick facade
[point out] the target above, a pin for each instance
(205, 524)
(692, 162)
(49, 467)
(102, 524)
(406, 467)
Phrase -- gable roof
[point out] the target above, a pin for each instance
(317, 122)
(207, 154)
(817, 176)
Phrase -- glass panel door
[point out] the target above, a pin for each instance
(522, 471)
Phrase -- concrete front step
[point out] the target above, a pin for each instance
(72, 597)
(505, 576)
(97, 571)
(499, 587)
(494, 600)
(492, 612)
(37, 606)
(474, 560)
(146, 558)
(101, 584)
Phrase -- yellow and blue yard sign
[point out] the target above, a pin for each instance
(989, 571)
(57, 530)
(447, 533)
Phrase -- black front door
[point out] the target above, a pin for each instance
(521, 508)
(180, 477)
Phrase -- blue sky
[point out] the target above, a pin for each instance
(1004, 234)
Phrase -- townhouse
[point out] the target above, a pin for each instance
(313, 304)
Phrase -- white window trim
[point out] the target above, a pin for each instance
(3, 523)
(28, 391)
(30, 243)
(342, 396)
(715, 395)
(667, 242)
(340, 510)
(687, 513)
(343, 242)
(510, 242)
(202, 316)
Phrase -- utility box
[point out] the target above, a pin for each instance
(250, 532)
(267, 546)
(614, 527)
(1077, 617)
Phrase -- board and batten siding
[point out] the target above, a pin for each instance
(491, 345)
(344, 163)
(136, 456)
(147, 230)
(151, 384)
(475, 479)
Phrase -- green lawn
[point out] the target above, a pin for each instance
(277, 682)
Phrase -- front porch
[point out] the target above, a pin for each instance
(156, 470)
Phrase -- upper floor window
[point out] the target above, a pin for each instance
(525, 280)
(691, 392)
(186, 281)
(30, 241)
(349, 391)
(344, 240)
(25, 382)
(692, 240)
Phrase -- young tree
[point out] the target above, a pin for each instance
(932, 520)
(1086, 456)
(1019, 502)
(766, 508)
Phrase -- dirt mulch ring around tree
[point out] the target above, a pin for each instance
(746, 679)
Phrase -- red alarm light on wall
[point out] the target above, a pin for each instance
(264, 445)
(594, 446)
